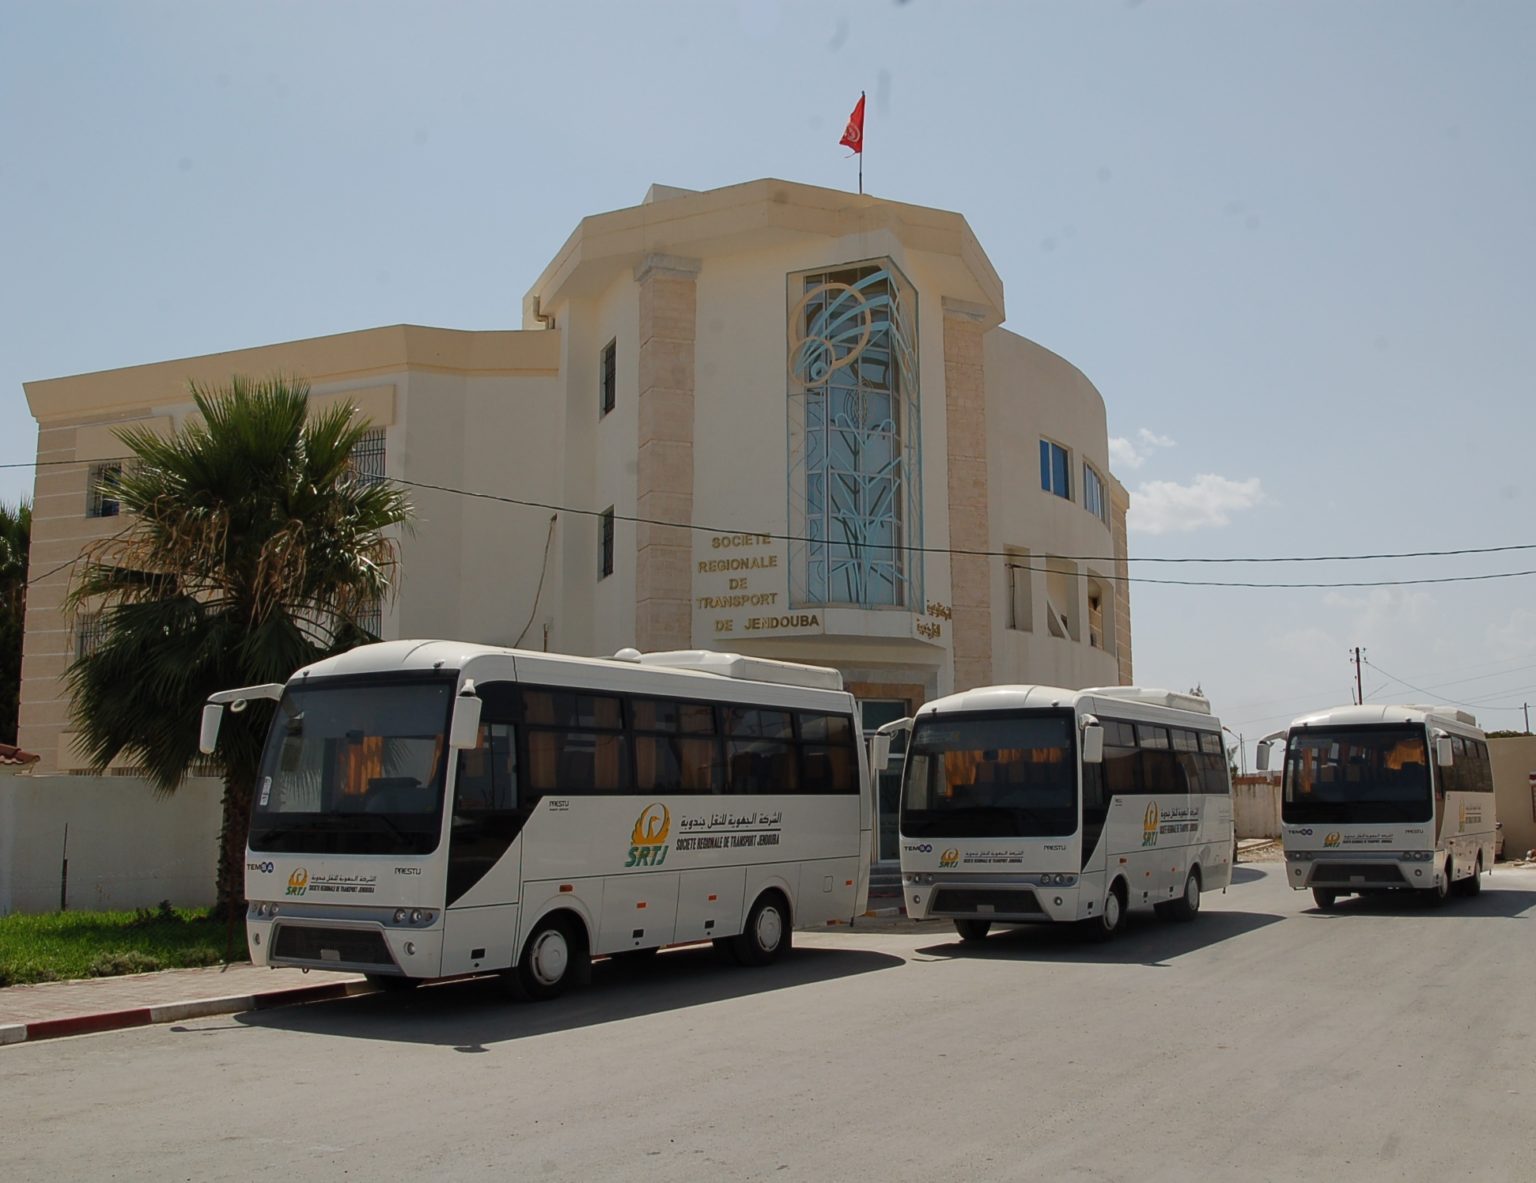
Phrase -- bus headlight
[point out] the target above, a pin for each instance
(1417, 856)
(400, 915)
(1058, 880)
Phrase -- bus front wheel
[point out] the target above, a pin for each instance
(1108, 922)
(549, 961)
(1473, 885)
(1324, 898)
(767, 934)
(973, 930)
(1440, 891)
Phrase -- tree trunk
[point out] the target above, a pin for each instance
(233, 831)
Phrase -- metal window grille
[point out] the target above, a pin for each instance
(90, 629)
(605, 547)
(367, 459)
(371, 619)
(610, 377)
(101, 489)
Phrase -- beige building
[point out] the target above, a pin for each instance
(1514, 786)
(768, 418)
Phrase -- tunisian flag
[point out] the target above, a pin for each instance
(853, 135)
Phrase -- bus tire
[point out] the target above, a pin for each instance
(1187, 906)
(1474, 885)
(973, 930)
(550, 961)
(1325, 898)
(767, 933)
(1108, 922)
(1439, 891)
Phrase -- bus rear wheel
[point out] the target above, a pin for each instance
(767, 934)
(973, 930)
(549, 962)
(1325, 898)
(1187, 906)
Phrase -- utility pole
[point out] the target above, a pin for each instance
(1359, 693)
(1527, 717)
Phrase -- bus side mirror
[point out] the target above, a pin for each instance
(1443, 753)
(1261, 756)
(879, 752)
(213, 715)
(464, 736)
(1093, 744)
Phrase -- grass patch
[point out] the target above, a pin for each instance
(62, 945)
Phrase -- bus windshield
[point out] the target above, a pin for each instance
(984, 776)
(354, 768)
(1357, 774)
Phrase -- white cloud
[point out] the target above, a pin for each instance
(1167, 507)
(1125, 453)
(1516, 636)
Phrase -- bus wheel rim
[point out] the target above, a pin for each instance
(550, 957)
(1112, 911)
(770, 928)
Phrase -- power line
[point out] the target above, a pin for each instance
(1004, 554)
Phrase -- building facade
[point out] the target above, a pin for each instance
(769, 418)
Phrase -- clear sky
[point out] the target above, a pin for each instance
(1292, 242)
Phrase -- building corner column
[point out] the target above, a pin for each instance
(965, 409)
(668, 337)
(1119, 505)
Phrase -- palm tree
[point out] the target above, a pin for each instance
(251, 548)
(15, 536)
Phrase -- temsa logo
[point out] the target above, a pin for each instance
(647, 841)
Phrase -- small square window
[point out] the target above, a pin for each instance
(609, 381)
(1055, 470)
(605, 544)
(101, 490)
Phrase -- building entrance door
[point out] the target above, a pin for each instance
(875, 713)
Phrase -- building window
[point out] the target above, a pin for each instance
(101, 490)
(1094, 500)
(1055, 470)
(367, 459)
(90, 629)
(1021, 600)
(1061, 588)
(608, 383)
(1101, 614)
(854, 419)
(605, 544)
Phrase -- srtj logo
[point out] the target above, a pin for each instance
(1331, 839)
(298, 881)
(1149, 826)
(949, 858)
(647, 839)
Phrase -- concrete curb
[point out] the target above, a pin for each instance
(172, 1012)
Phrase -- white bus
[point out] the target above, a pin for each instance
(1028, 804)
(1385, 797)
(431, 809)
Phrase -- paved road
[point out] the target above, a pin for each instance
(1383, 1041)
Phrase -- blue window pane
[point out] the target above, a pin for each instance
(1045, 465)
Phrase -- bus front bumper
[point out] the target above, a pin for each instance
(1361, 870)
(1007, 899)
(362, 940)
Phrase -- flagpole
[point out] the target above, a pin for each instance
(861, 153)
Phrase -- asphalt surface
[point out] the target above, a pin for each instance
(1380, 1041)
